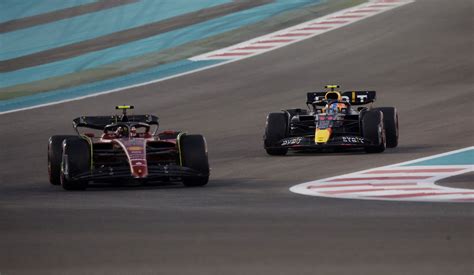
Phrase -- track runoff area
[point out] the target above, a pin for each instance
(407, 181)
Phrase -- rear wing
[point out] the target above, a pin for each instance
(99, 122)
(352, 97)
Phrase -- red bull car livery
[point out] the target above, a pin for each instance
(126, 147)
(333, 121)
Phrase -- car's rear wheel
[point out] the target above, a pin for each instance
(194, 156)
(276, 129)
(373, 130)
(76, 160)
(390, 120)
(55, 154)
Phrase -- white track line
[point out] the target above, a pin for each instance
(394, 182)
(265, 43)
(115, 90)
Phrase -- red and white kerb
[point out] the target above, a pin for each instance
(302, 31)
(395, 182)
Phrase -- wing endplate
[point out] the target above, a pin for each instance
(359, 97)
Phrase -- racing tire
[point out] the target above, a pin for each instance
(76, 159)
(194, 155)
(373, 130)
(390, 120)
(276, 129)
(55, 155)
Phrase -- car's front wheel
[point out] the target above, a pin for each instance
(390, 120)
(373, 130)
(55, 154)
(276, 129)
(194, 155)
(76, 160)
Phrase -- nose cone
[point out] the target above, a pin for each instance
(139, 169)
(322, 135)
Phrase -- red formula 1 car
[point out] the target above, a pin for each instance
(128, 147)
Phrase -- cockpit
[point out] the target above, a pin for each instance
(127, 130)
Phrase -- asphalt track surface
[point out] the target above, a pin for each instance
(419, 58)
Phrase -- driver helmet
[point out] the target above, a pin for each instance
(333, 95)
(121, 131)
(336, 108)
(133, 131)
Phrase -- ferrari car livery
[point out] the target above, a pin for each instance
(128, 147)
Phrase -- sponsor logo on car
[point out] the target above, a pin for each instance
(292, 141)
(135, 148)
(352, 140)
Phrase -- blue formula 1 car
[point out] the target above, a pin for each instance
(333, 119)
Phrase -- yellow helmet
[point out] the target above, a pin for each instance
(333, 95)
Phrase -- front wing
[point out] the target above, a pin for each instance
(308, 142)
(155, 172)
